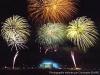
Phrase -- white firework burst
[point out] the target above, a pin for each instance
(15, 31)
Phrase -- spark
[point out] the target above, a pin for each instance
(51, 10)
(82, 33)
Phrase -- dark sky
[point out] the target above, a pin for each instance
(31, 56)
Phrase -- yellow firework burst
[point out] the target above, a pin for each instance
(15, 31)
(51, 10)
(82, 32)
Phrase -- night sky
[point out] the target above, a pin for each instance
(31, 55)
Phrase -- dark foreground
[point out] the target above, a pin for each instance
(35, 71)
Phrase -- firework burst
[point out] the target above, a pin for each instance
(51, 10)
(51, 34)
(82, 32)
(15, 31)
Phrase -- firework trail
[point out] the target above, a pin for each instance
(51, 35)
(14, 59)
(15, 31)
(51, 10)
(73, 58)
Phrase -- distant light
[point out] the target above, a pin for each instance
(49, 65)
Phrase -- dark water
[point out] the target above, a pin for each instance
(37, 71)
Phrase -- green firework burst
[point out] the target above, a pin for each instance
(82, 32)
(51, 34)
